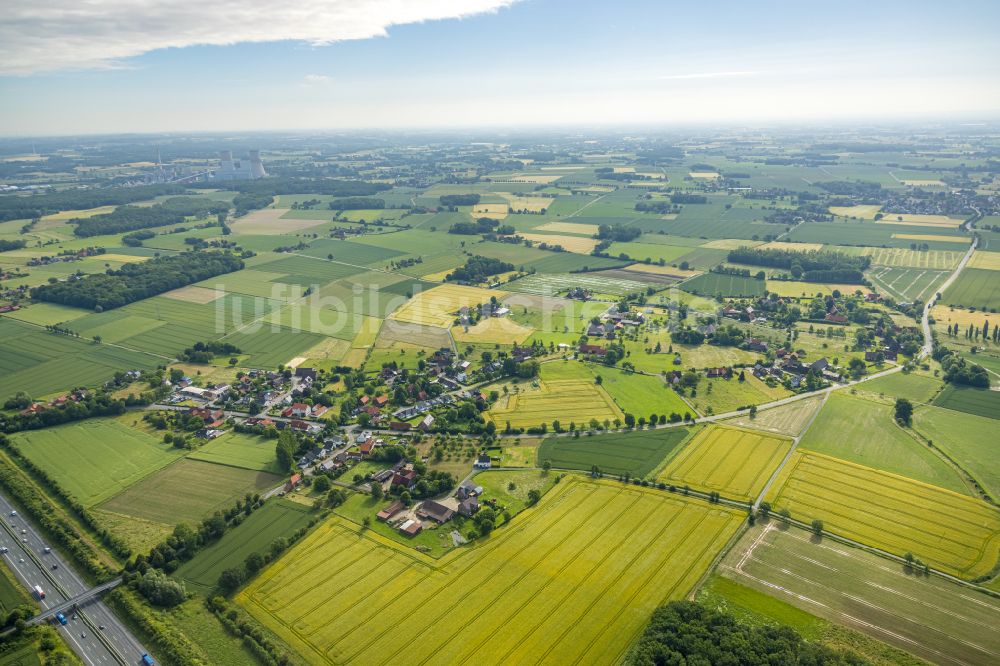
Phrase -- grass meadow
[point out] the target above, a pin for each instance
(968, 439)
(573, 579)
(95, 459)
(864, 432)
(787, 420)
(187, 491)
(636, 453)
(975, 287)
(240, 450)
(711, 284)
(277, 518)
(980, 402)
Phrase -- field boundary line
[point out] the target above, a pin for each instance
(788, 455)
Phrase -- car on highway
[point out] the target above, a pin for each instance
(46, 550)
(4, 549)
(24, 531)
(13, 513)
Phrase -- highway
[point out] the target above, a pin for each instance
(27, 558)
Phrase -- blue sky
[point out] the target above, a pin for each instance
(533, 62)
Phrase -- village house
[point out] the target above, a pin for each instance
(468, 507)
(426, 422)
(388, 512)
(483, 462)
(405, 477)
(597, 350)
(411, 527)
(436, 511)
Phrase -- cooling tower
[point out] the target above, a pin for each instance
(256, 166)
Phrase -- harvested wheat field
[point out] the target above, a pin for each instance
(794, 247)
(194, 294)
(569, 228)
(958, 240)
(268, 221)
(490, 330)
(439, 306)
(578, 244)
(865, 211)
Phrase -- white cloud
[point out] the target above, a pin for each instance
(50, 35)
(316, 80)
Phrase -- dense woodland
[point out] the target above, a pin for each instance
(175, 210)
(477, 269)
(134, 282)
(20, 207)
(684, 632)
(808, 266)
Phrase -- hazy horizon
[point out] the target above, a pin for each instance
(322, 66)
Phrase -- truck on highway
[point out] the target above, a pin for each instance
(147, 660)
(61, 618)
(39, 592)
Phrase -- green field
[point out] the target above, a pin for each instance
(203, 628)
(269, 346)
(637, 453)
(906, 284)
(95, 459)
(12, 593)
(712, 284)
(240, 450)
(187, 491)
(864, 432)
(968, 439)
(980, 402)
(653, 251)
(974, 288)
(913, 387)
(929, 617)
(733, 462)
(641, 395)
(573, 579)
(42, 363)
(277, 518)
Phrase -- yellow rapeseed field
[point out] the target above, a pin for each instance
(958, 240)
(564, 400)
(986, 260)
(572, 580)
(951, 532)
(734, 462)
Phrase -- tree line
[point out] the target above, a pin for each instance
(358, 203)
(175, 210)
(450, 200)
(808, 266)
(134, 282)
(21, 207)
